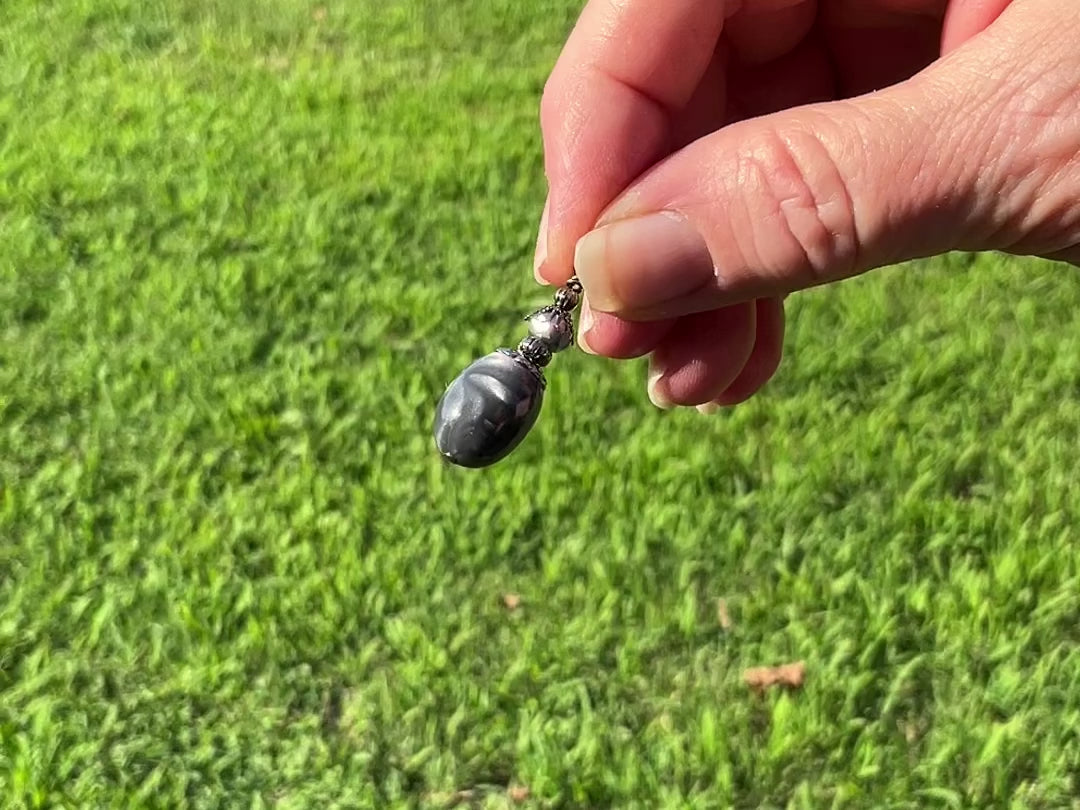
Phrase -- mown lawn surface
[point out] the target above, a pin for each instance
(243, 247)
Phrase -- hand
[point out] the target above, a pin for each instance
(705, 158)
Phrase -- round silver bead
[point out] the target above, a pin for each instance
(553, 326)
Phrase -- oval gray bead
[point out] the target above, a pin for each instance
(488, 409)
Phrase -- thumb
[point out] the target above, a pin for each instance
(948, 160)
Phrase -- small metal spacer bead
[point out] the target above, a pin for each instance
(566, 299)
(535, 350)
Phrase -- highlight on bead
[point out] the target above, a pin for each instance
(553, 326)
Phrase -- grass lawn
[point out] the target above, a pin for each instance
(243, 247)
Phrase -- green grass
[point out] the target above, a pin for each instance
(243, 247)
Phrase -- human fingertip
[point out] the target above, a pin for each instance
(540, 254)
(642, 262)
(585, 325)
(657, 389)
(733, 397)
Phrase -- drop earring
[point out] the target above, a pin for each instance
(491, 406)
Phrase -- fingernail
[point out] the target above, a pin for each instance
(585, 323)
(541, 244)
(708, 408)
(657, 390)
(639, 263)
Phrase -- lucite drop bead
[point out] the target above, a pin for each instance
(488, 409)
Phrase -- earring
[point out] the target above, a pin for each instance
(491, 406)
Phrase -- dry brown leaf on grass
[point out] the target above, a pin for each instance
(722, 614)
(511, 600)
(454, 798)
(790, 675)
(518, 793)
(457, 798)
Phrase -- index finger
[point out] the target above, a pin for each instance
(627, 68)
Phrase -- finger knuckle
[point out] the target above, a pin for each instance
(800, 203)
(1034, 162)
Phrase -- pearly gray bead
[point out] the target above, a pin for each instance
(553, 326)
(486, 412)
